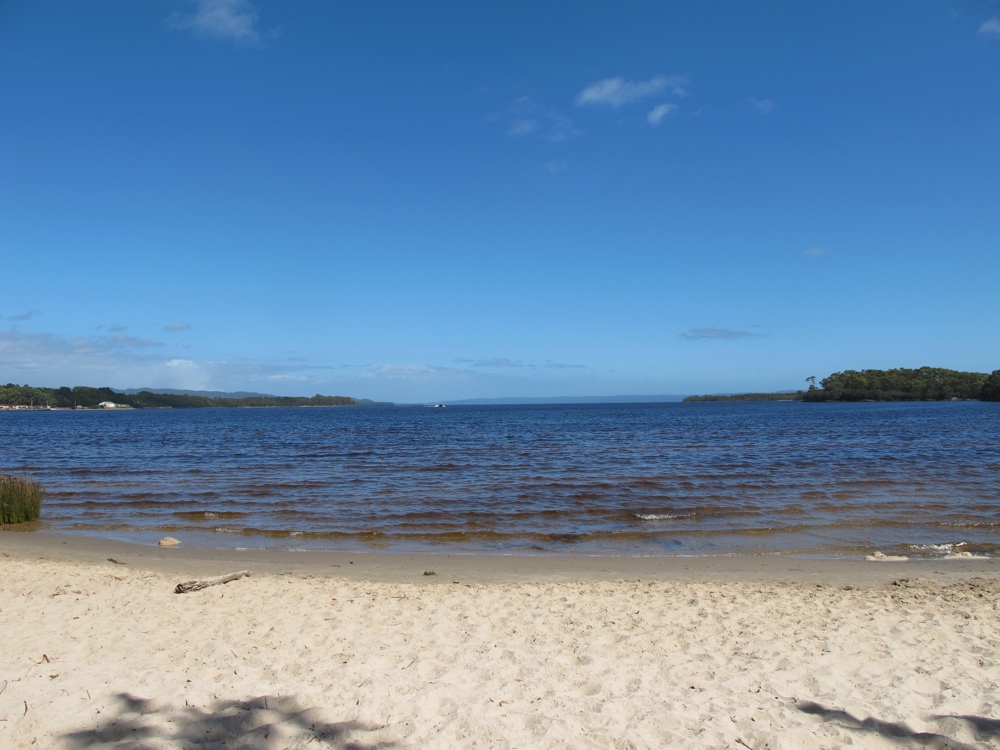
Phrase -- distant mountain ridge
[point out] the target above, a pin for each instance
(567, 400)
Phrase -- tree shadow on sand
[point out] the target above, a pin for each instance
(983, 728)
(264, 723)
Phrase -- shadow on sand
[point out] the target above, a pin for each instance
(264, 723)
(983, 728)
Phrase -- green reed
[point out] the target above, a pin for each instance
(20, 499)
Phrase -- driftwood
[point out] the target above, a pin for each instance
(186, 586)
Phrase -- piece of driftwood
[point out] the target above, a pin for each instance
(186, 586)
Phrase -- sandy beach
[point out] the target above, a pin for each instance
(366, 650)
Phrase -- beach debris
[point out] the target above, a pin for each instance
(116, 562)
(429, 573)
(198, 585)
(169, 541)
(882, 557)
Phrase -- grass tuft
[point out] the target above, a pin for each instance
(20, 499)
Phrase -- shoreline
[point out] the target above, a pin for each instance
(401, 567)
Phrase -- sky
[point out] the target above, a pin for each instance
(423, 201)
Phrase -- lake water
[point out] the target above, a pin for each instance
(621, 479)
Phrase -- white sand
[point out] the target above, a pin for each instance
(102, 655)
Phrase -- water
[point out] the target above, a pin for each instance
(616, 479)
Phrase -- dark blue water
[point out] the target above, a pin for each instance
(616, 479)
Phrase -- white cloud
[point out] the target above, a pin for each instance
(407, 371)
(47, 359)
(615, 92)
(498, 362)
(522, 126)
(120, 341)
(25, 315)
(526, 118)
(122, 361)
(177, 326)
(657, 113)
(991, 27)
(222, 19)
(710, 333)
(764, 106)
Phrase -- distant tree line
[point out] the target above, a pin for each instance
(788, 396)
(902, 384)
(89, 398)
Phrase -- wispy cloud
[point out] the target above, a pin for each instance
(816, 251)
(129, 361)
(526, 117)
(235, 20)
(710, 333)
(505, 363)
(764, 106)
(614, 92)
(25, 315)
(411, 372)
(991, 28)
(657, 113)
(177, 326)
(121, 342)
(498, 362)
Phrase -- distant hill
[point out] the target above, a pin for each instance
(777, 396)
(566, 400)
(205, 394)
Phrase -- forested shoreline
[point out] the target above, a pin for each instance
(903, 384)
(900, 384)
(85, 397)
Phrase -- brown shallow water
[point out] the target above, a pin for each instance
(648, 479)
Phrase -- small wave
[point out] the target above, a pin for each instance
(936, 547)
(654, 516)
(208, 515)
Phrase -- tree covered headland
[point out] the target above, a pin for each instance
(902, 384)
(922, 384)
(89, 398)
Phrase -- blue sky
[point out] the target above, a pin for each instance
(441, 200)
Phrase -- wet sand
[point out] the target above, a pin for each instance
(328, 649)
